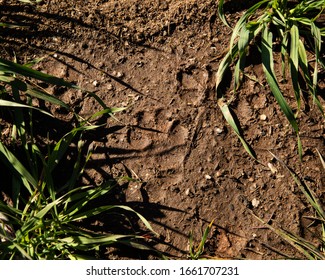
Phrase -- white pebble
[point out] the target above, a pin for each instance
(119, 74)
(272, 168)
(219, 130)
(263, 117)
(255, 202)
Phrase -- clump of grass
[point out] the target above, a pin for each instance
(196, 252)
(44, 223)
(291, 25)
(42, 218)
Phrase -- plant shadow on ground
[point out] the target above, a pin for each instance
(64, 123)
(177, 189)
(56, 127)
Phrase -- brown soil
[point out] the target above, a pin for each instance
(160, 59)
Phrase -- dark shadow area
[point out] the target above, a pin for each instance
(234, 6)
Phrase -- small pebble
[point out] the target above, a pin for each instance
(272, 168)
(219, 174)
(208, 177)
(119, 75)
(263, 117)
(219, 130)
(255, 202)
(110, 87)
(95, 83)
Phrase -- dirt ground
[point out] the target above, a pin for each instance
(160, 59)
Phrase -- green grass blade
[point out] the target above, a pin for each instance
(306, 190)
(81, 198)
(244, 38)
(15, 68)
(63, 144)
(200, 248)
(294, 62)
(83, 243)
(242, 21)
(22, 251)
(18, 168)
(231, 121)
(222, 14)
(284, 48)
(39, 94)
(101, 209)
(223, 67)
(143, 219)
(6, 103)
(302, 246)
(36, 221)
(315, 31)
(10, 25)
(303, 62)
(91, 212)
(268, 67)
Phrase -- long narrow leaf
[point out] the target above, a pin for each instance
(15, 68)
(303, 246)
(19, 169)
(294, 62)
(268, 67)
(243, 19)
(36, 221)
(222, 14)
(303, 62)
(6, 103)
(231, 121)
(223, 67)
(315, 31)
